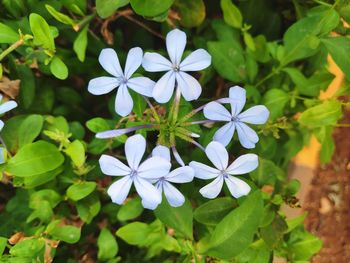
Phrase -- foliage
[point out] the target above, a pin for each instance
(56, 206)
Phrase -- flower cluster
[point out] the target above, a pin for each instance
(153, 176)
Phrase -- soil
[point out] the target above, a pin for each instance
(328, 202)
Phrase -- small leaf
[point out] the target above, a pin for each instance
(130, 210)
(275, 100)
(97, 125)
(232, 15)
(325, 137)
(30, 129)
(60, 16)
(41, 31)
(192, 12)
(80, 44)
(107, 245)
(150, 8)
(27, 90)
(76, 152)
(58, 68)
(135, 233)
(179, 218)
(28, 248)
(3, 243)
(80, 190)
(45, 156)
(67, 233)
(106, 8)
(7, 35)
(88, 207)
(326, 113)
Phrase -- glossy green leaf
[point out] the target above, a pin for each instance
(60, 16)
(267, 173)
(135, 233)
(179, 218)
(3, 243)
(88, 207)
(107, 245)
(276, 100)
(76, 152)
(130, 210)
(325, 136)
(7, 34)
(41, 32)
(213, 211)
(45, 156)
(80, 190)
(58, 68)
(150, 8)
(97, 125)
(326, 113)
(192, 13)
(27, 90)
(30, 129)
(80, 43)
(106, 8)
(28, 247)
(67, 233)
(232, 15)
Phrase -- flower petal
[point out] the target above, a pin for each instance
(175, 44)
(216, 112)
(174, 196)
(133, 61)
(112, 166)
(217, 154)
(243, 164)
(119, 190)
(237, 187)
(213, 189)
(203, 171)
(135, 147)
(189, 86)
(7, 106)
(164, 88)
(154, 62)
(225, 133)
(102, 85)
(246, 135)
(154, 167)
(2, 124)
(141, 85)
(148, 192)
(183, 174)
(238, 98)
(255, 115)
(197, 60)
(109, 61)
(162, 151)
(123, 101)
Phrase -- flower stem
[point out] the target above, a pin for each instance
(11, 48)
(174, 111)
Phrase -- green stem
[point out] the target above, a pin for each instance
(174, 111)
(11, 48)
(343, 125)
(272, 73)
(77, 27)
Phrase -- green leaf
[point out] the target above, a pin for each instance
(40, 179)
(80, 190)
(303, 245)
(273, 233)
(192, 13)
(58, 68)
(67, 233)
(266, 173)
(80, 43)
(292, 223)
(60, 16)
(35, 158)
(150, 8)
(28, 247)
(325, 137)
(107, 245)
(88, 207)
(76, 152)
(228, 60)
(236, 231)
(3, 243)
(339, 48)
(232, 15)
(213, 211)
(326, 113)
(97, 125)
(135, 233)
(299, 38)
(41, 31)
(179, 218)
(27, 90)
(7, 35)
(106, 8)
(30, 129)
(275, 100)
(130, 210)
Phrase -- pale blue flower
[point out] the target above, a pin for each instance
(122, 79)
(183, 174)
(218, 155)
(236, 120)
(136, 173)
(5, 107)
(188, 85)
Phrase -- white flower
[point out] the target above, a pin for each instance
(139, 174)
(102, 85)
(5, 107)
(218, 155)
(236, 120)
(188, 85)
(183, 174)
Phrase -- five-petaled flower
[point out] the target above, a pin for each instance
(188, 85)
(139, 174)
(218, 155)
(182, 174)
(102, 85)
(5, 107)
(236, 120)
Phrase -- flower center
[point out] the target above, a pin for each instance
(123, 80)
(235, 119)
(224, 174)
(133, 174)
(176, 68)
